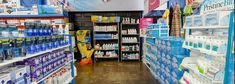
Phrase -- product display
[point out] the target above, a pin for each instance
(105, 28)
(157, 30)
(129, 31)
(206, 63)
(15, 75)
(178, 41)
(106, 47)
(129, 40)
(63, 76)
(26, 46)
(45, 64)
(107, 54)
(105, 19)
(32, 49)
(130, 48)
(106, 40)
(130, 56)
(165, 65)
(106, 36)
(127, 20)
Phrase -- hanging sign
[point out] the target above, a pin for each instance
(213, 5)
(144, 22)
(153, 4)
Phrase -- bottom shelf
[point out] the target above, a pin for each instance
(146, 63)
(130, 59)
(51, 73)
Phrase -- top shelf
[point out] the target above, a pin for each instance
(131, 24)
(208, 27)
(32, 16)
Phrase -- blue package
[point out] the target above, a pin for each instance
(43, 48)
(27, 3)
(30, 49)
(16, 52)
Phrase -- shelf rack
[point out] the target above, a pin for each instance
(106, 40)
(8, 62)
(229, 61)
(137, 35)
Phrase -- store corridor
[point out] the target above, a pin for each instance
(111, 72)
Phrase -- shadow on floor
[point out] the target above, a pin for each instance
(111, 72)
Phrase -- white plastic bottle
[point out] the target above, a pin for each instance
(66, 29)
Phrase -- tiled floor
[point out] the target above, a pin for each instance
(113, 72)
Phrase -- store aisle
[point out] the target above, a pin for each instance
(111, 72)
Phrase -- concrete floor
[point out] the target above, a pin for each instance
(113, 72)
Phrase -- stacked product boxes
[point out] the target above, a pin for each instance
(170, 55)
(164, 55)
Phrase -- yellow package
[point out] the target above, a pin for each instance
(94, 18)
(104, 19)
(112, 19)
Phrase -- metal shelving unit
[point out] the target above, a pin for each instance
(137, 35)
(106, 40)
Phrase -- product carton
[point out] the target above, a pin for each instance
(6, 78)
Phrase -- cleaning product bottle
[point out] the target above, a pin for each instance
(137, 47)
(61, 29)
(54, 29)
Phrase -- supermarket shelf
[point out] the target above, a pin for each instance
(192, 67)
(105, 39)
(51, 73)
(131, 43)
(130, 34)
(106, 22)
(132, 24)
(130, 59)
(30, 36)
(130, 51)
(108, 50)
(208, 53)
(208, 27)
(106, 31)
(106, 57)
(32, 16)
(7, 62)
